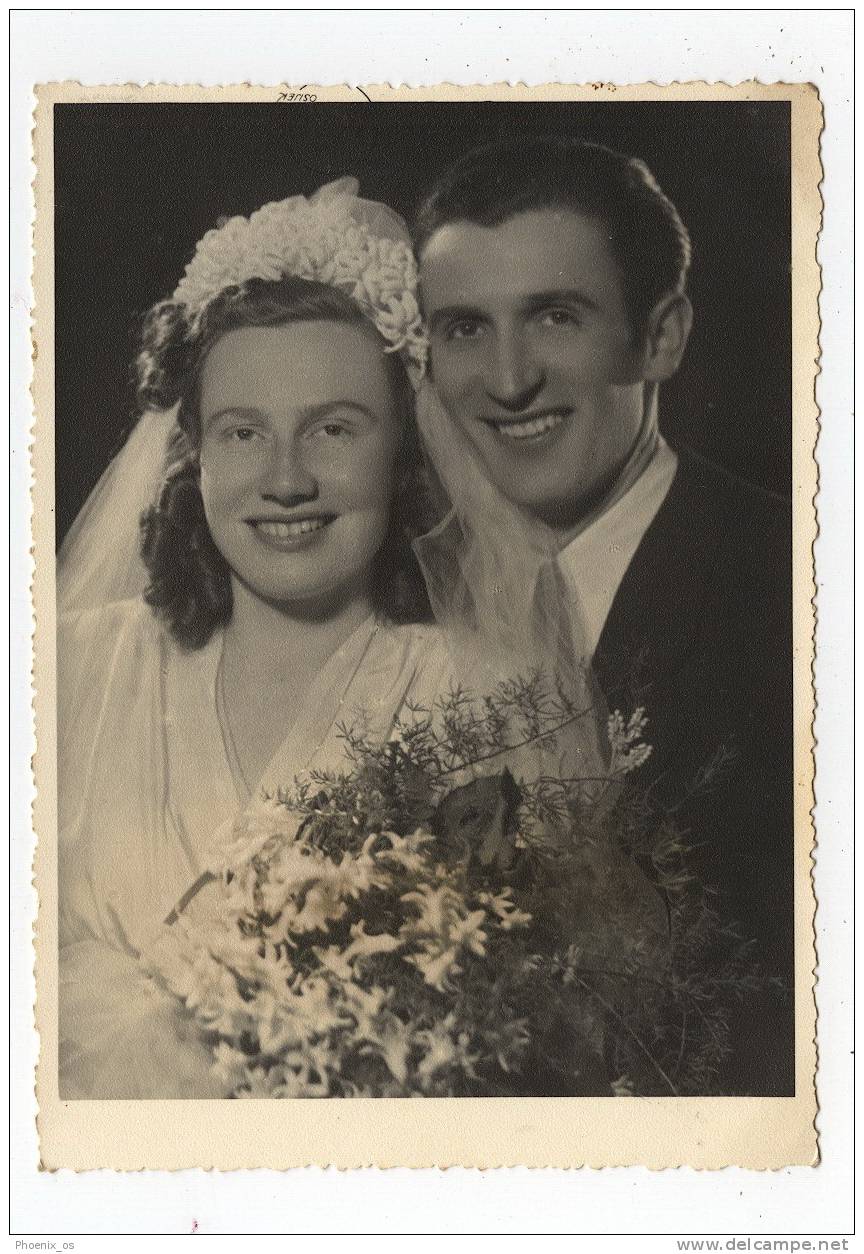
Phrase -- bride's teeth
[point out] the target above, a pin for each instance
(532, 429)
(284, 530)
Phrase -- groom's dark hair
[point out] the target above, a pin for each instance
(190, 584)
(490, 185)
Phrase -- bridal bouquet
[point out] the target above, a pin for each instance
(411, 926)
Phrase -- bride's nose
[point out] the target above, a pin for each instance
(286, 476)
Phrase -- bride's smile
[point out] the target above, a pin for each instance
(257, 589)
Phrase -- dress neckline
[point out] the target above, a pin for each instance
(361, 684)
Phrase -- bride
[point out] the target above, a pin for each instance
(241, 584)
(273, 596)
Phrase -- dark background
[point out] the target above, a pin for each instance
(137, 185)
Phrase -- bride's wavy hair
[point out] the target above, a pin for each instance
(190, 584)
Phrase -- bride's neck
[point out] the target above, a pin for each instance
(277, 641)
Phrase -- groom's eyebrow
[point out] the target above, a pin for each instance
(529, 304)
(562, 295)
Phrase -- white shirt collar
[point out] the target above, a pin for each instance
(595, 562)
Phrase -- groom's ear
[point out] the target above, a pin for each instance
(666, 337)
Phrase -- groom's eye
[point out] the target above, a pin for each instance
(236, 433)
(559, 316)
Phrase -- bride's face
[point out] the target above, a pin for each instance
(299, 438)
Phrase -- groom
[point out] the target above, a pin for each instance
(553, 282)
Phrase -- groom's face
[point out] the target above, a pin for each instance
(533, 355)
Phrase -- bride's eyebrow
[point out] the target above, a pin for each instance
(248, 413)
(311, 412)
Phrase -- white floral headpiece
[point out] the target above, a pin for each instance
(360, 247)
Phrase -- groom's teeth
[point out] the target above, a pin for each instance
(531, 429)
(284, 530)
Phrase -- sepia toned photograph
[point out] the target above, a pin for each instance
(427, 646)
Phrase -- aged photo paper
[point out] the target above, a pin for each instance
(186, 151)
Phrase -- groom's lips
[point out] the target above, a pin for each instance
(531, 428)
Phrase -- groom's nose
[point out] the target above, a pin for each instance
(286, 477)
(514, 376)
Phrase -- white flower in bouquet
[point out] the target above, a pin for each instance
(318, 239)
(380, 932)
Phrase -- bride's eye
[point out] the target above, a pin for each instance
(464, 329)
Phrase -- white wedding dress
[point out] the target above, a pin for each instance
(146, 795)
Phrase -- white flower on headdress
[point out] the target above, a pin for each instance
(322, 238)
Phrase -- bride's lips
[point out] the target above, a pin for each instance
(529, 429)
(286, 533)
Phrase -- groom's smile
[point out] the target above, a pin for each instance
(533, 354)
(299, 439)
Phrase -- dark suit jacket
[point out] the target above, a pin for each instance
(700, 634)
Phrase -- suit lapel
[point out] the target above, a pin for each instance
(659, 606)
